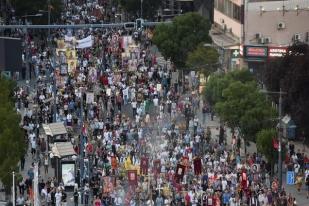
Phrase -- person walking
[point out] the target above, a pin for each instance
(46, 165)
(75, 195)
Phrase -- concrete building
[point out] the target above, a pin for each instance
(258, 29)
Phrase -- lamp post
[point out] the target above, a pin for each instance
(279, 135)
(141, 8)
(13, 192)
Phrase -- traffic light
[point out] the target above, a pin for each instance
(139, 24)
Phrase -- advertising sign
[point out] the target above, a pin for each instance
(277, 51)
(256, 51)
(290, 177)
(68, 174)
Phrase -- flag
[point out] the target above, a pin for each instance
(244, 180)
(197, 162)
(180, 172)
(114, 162)
(144, 165)
(132, 177)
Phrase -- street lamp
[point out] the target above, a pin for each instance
(279, 134)
(141, 8)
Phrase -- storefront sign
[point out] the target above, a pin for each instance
(256, 51)
(277, 51)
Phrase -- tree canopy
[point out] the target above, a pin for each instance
(292, 75)
(204, 59)
(133, 7)
(12, 145)
(176, 40)
(236, 98)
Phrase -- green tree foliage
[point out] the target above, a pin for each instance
(31, 7)
(12, 145)
(291, 74)
(237, 100)
(218, 82)
(176, 40)
(133, 7)
(264, 144)
(204, 59)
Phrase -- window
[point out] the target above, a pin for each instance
(228, 8)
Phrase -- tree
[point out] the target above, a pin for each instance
(264, 145)
(204, 59)
(133, 7)
(12, 145)
(245, 108)
(291, 74)
(31, 7)
(218, 82)
(176, 40)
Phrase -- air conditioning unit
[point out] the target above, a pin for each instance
(267, 40)
(296, 37)
(281, 25)
(258, 35)
(262, 40)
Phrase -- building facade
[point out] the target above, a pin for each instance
(259, 29)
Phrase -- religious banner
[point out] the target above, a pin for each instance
(180, 172)
(132, 177)
(72, 64)
(70, 54)
(157, 167)
(244, 179)
(89, 97)
(197, 162)
(92, 74)
(114, 162)
(185, 161)
(144, 166)
(108, 185)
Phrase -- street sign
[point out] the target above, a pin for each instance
(290, 178)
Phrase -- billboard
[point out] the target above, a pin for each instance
(68, 174)
(256, 51)
(10, 54)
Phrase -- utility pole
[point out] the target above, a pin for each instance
(13, 192)
(141, 9)
(49, 11)
(280, 141)
(81, 150)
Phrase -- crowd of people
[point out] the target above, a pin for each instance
(142, 127)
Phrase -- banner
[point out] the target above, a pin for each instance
(68, 174)
(114, 163)
(144, 165)
(72, 64)
(108, 185)
(89, 97)
(70, 54)
(180, 172)
(132, 177)
(157, 167)
(197, 162)
(84, 43)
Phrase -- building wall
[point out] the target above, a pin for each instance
(264, 17)
(230, 23)
(228, 15)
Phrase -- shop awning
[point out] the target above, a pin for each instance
(54, 129)
(63, 149)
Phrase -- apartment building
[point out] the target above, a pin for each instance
(254, 30)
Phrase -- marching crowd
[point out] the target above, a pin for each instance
(141, 131)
